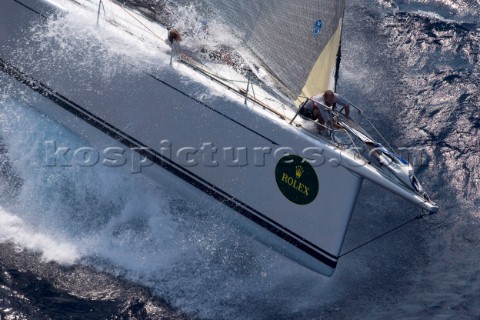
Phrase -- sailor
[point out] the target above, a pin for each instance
(173, 40)
(314, 110)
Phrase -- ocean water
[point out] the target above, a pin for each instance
(98, 243)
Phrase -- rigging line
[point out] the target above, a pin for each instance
(216, 74)
(203, 67)
(126, 11)
(155, 35)
(100, 6)
(212, 76)
(209, 107)
(378, 132)
(418, 217)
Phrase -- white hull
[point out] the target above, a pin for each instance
(143, 109)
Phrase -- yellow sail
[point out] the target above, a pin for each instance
(321, 77)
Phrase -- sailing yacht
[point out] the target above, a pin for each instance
(285, 179)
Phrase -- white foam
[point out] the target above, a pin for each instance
(125, 224)
(433, 15)
(14, 229)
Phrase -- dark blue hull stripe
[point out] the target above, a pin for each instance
(203, 185)
(30, 8)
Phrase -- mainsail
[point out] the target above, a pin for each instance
(296, 41)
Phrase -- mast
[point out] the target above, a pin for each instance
(339, 53)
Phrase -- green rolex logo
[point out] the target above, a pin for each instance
(296, 179)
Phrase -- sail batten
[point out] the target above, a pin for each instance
(296, 41)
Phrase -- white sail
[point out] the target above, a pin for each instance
(297, 41)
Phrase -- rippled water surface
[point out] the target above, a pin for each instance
(90, 245)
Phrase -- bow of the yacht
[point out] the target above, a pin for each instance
(290, 186)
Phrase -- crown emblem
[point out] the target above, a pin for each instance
(299, 171)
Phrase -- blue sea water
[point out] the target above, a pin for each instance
(87, 244)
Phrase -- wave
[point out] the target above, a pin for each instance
(128, 226)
